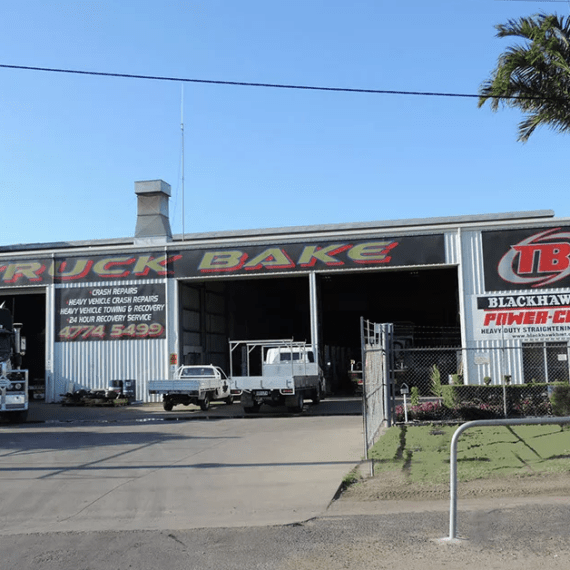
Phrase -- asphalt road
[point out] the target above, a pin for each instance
(149, 474)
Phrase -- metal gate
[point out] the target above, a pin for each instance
(377, 399)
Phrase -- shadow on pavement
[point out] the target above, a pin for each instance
(41, 412)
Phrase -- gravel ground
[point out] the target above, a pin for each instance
(505, 539)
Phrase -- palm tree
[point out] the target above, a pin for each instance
(534, 76)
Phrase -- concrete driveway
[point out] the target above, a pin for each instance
(165, 475)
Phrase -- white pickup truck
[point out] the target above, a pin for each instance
(197, 384)
(276, 373)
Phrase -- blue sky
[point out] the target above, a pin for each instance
(72, 146)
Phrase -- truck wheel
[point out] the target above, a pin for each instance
(229, 400)
(205, 403)
(297, 407)
(317, 396)
(167, 405)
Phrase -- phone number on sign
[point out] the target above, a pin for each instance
(101, 332)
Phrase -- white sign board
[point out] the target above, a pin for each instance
(525, 316)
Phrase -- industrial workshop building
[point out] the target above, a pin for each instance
(136, 308)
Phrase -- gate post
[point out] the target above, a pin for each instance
(387, 338)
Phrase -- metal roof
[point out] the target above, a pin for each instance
(414, 225)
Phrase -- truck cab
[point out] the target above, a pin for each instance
(14, 399)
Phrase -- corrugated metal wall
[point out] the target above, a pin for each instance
(472, 259)
(91, 364)
(494, 358)
(503, 358)
(452, 254)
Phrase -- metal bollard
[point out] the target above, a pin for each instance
(453, 456)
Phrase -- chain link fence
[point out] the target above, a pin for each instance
(402, 382)
(462, 384)
(376, 357)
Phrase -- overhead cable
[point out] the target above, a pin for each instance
(267, 85)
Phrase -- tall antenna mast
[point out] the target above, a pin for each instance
(182, 168)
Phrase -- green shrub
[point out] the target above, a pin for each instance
(435, 381)
(560, 400)
(451, 397)
(415, 396)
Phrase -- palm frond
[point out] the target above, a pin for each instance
(533, 76)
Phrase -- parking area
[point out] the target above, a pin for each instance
(109, 469)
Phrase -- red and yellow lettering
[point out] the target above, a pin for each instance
(155, 329)
(131, 331)
(98, 332)
(31, 270)
(372, 252)
(313, 253)
(146, 262)
(64, 333)
(272, 258)
(80, 269)
(214, 261)
(103, 268)
(116, 331)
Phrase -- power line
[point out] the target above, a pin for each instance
(238, 83)
(266, 85)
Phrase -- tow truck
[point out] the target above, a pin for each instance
(14, 399)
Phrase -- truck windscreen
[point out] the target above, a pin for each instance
(5, 345)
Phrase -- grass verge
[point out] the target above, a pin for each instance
(422, 452)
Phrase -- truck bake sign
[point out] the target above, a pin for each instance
(256, 259)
